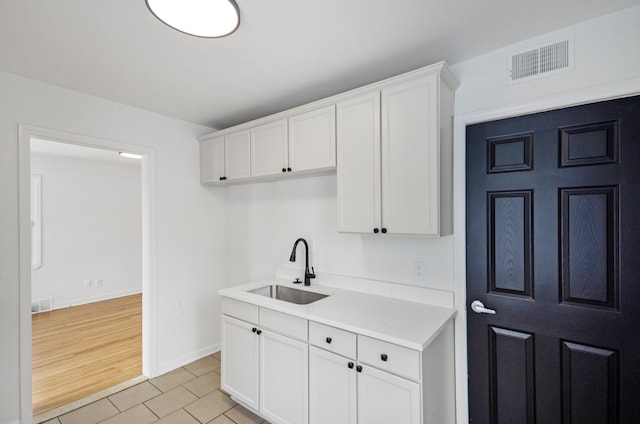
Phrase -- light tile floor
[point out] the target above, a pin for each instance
(188, 395)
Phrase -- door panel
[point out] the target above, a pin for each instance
(511, 376)
(590, 384)
(553, 237)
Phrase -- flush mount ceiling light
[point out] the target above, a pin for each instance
(201, 18)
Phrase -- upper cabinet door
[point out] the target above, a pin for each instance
(411, 157)
(212, 160)
(237, 157)
(269, 150)
(358, 171)
(312, 140)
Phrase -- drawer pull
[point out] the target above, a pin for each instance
(328, 340)
(384, 357)
(359, 368)
(259, 332)
(350, 365)
(254, 329)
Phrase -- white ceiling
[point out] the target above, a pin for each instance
(285, 53)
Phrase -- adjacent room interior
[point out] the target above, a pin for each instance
(86, 272)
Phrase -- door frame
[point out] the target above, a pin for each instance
(149, 249)
(583, 96)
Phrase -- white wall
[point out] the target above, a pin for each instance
(92, 229)
(605, 53)
(189, 221)
(265, 219)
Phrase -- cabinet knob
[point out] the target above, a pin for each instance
(359, 368)
(254, 329)
(289, 169)
(350, 365)
(259, 332)
(221, 178)
(384, 357)
(328, 340)
(384, 231)
(284, 169)
(375, 231)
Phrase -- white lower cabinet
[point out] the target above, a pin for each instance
(345, 391)
(264, 370)
(332, 388)
(386, 398)
(240, 361)
(293, 371)
(284, 387)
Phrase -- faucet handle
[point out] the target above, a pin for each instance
(312, 274)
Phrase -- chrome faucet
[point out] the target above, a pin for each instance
(307, 275)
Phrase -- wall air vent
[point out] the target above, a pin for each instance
(541, 61)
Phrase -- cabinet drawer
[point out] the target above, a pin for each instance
(241, 310)
(389, 357)
(332, 339)
(284, 323)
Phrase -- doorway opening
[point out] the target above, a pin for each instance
(86, 231)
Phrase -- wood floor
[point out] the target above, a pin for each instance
(85, 349)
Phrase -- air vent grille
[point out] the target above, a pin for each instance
(540, 61)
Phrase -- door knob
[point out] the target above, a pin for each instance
(478, 308)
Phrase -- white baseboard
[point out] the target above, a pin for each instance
(187, 359)
(66, 303)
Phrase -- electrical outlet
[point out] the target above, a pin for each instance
(99, 283)
(88, 284)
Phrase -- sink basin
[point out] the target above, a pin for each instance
(288, 294)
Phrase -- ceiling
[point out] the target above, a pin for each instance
(285, 53)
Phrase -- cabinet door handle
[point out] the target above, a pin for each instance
(289, 169)
(359, 368)
(220, 178)
(254, 329)
(328, 340)
(384, 231)
(259, 332)
(284, 169)
(384, 357)
(350, 365)
(375, 231)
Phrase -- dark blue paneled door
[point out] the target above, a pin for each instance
(553, 246)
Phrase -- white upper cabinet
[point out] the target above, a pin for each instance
(269, 149)
(212, 160)
(237, 153)
(411, 157)
(394, 158)
(225, 158)
(389, 142)
(358, 133)
(312, 140)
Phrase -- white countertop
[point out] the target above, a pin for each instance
(409, 324)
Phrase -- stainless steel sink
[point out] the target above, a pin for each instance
(288, 294)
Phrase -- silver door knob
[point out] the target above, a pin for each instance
(478, 308)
